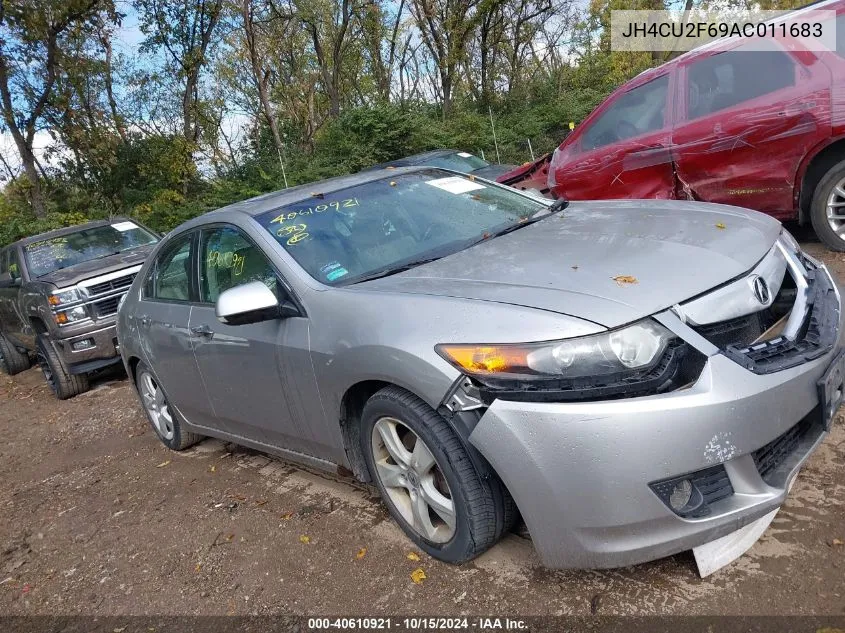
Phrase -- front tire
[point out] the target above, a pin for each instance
(427, 479)
(11, 360)
(827, 211)
(165, 420)
(61, 382)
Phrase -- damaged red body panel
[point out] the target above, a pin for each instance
(757, 129)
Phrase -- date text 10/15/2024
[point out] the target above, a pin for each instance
(419, 623)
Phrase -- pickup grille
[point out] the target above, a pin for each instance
(119, 283)
(107, 307)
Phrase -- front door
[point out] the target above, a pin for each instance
(162, 320)
(748, 120)
(11, 319)
(622, 152)
(258, 376)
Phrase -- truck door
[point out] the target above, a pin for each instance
(11, 321)
(748, 118)
(623, 151)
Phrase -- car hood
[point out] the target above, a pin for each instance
(85, 270)
(608, 262)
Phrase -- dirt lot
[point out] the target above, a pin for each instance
(98, 517)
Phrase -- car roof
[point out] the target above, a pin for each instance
(415, 159)
(277, 199)
(67, 230)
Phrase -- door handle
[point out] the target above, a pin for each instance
(202, 330)
(145, 320)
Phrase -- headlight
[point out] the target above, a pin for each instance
(632, 348)
(63, 297)
(70, 316)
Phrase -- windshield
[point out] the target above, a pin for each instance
(391, 223)
(459, 161)
(68, 250)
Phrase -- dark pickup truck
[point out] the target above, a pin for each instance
(59, 295)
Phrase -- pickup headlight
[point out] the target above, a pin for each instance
(64, 317)
(627, 350)
(63, 297)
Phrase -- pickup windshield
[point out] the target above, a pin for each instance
(46, 256)
(395, 223)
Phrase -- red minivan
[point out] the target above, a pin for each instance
(762, 129)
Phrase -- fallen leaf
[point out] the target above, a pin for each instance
(163, 464)
(392, 183)
(305, 539)
(287, 516)
(317, 195)
(229, 537)
(361, 553)
(261, 502)
(198, 567)
(413, 556)
(26, 588)
(837, 541)
(471, 177)
(418, 575)
(720, 225)
(213, 469)
(625, 279)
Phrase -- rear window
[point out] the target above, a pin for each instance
(729, 79)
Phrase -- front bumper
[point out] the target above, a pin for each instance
(580, 472)
(104, 352)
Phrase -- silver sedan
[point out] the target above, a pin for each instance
(635, 378)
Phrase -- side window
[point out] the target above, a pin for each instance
(228, 259)
(14, 266)
(729, 79)
(633, 113)
(840, 34)
(171, 274)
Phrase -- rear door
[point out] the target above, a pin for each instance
(11, 321)
(624, 150)
(259, 376)
(163, 316)
(748, 118)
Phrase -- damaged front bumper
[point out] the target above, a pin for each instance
(591, 479)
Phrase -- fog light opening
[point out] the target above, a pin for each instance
(681, 495)
(84, 344)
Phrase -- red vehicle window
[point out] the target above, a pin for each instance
(636, 112)
(727, 79)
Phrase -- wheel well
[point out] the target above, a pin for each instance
(133, 364)
(351, 408)
(38, 325)
(818, 167)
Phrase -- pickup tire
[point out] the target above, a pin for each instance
(829, 200)
(63, 384)
(11, 360)
(432, 490)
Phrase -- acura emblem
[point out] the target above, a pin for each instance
(761, 290)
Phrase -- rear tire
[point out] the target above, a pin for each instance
(62, 383)
(11, 360)
(164, 418)
(827, 211)
(464, 509)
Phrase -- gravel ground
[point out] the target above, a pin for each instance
(99, 518)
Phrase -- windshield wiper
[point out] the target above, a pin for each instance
(386, 272)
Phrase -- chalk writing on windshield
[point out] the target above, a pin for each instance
(320, 208)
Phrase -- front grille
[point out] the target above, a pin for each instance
(817, 336)
(113, 284)
(714, 484)
(107, 307)
(770, 458)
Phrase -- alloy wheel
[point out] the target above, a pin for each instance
(156, 405)
(836, 209)
(413, 480)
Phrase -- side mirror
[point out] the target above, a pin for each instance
(252, 302)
